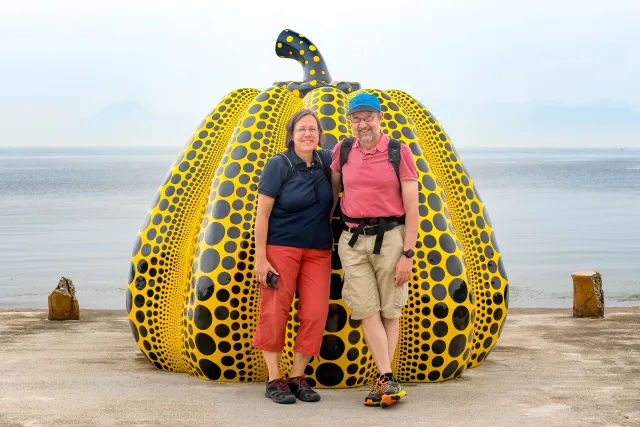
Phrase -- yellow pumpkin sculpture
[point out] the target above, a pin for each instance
(192, 298)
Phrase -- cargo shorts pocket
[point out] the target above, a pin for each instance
(396, 296)
(345, 291)
(401, 297)
(344, 239)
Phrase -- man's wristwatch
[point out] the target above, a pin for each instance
(409, 253)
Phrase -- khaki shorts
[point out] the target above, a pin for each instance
(369, 280)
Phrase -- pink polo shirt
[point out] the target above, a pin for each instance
(371, 188)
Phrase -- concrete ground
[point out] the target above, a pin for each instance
(547, 369)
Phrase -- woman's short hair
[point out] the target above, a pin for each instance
(291, 124)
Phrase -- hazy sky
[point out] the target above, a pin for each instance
(64, 60)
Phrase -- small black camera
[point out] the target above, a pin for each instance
(272, 280)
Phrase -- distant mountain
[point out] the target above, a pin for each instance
(605, 123)
(612, 103)
(542, 123)
(127, 123)
(119, 112)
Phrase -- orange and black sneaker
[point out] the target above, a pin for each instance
(374, 398)
(390, 391)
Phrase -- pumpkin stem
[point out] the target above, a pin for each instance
(291, 44)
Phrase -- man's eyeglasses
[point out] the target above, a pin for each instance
(367, 119)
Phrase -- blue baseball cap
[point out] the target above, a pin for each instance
(364, 102)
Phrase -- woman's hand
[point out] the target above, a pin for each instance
(265, 205)
(262, 268)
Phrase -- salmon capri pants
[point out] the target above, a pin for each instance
(308, 271)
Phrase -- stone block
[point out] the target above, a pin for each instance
(588, 297)
(63, 304)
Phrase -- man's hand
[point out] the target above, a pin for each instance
(403, 270)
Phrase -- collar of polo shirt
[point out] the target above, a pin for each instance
(383, 143)
(297, 161)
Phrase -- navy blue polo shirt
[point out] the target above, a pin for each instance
(300, 215)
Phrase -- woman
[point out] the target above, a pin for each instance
(294, 239)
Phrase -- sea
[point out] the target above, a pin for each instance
(76, 212)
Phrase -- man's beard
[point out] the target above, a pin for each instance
(369, 137)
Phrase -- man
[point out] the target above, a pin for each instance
(380, 226)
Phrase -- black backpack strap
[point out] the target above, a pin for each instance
(345, 148)
(290, 171)
(326, 166)
(394, 155)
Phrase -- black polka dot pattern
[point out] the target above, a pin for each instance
(192, 301)
(343, 342)
(223, 265)
(487, 277)
(427, 326)
(331, 106)
(433, 321)
(161, 264)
